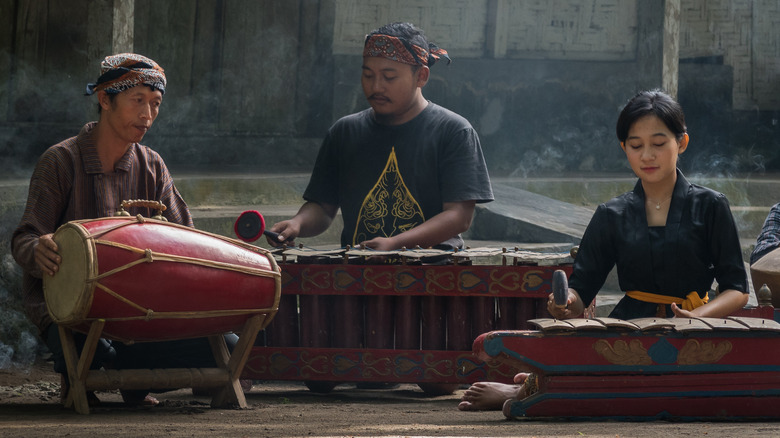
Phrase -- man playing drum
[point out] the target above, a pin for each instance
(87, 177)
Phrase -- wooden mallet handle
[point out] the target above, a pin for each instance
(560, 287)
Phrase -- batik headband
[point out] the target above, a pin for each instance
(126, 70)
(401, 50)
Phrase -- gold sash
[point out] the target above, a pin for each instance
(690, 302)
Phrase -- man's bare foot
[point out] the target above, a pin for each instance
(138, 398)
(488, 396)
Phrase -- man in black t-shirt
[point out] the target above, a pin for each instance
(405, 172)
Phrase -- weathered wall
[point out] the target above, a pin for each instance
(254, 84)
(741, 34)
(538, 106)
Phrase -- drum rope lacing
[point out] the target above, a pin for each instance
(150, 314)
(150, 256)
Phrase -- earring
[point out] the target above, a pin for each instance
(684, 140)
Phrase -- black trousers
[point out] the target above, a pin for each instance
(185, 353)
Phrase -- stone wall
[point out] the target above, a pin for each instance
(741, 34)
(255, 84)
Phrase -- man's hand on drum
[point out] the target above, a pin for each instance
(46, 256)
(572, 309)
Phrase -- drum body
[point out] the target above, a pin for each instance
(151, 280)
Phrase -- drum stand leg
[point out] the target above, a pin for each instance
(78, 367)
(231, 393)
(232, 365)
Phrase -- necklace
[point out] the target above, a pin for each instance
(658, 204)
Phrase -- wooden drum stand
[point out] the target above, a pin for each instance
(225, 376)
(204, 285)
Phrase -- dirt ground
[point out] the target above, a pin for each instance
(29, 407)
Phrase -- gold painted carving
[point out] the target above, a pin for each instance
(695, 353)
(623, 353)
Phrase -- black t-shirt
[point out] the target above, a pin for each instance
(388, 179)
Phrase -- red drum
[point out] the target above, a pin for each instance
(151, 280)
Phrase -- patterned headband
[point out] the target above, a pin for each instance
(126, 70)
(401, 50)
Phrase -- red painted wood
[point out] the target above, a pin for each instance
(434, 314)
(458, 324)
(434, 331)
(448, 280)
(369, 365)
(632, 374)
(482, 317)
(698, 396)
(407, 322)
(283, 329)
(630, 352)
(183, 287)
(380, 318)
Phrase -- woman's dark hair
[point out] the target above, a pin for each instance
(653, 102)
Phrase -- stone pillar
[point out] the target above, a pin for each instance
(123, 22)
(658, 44)
(671, 47)
(497, 24)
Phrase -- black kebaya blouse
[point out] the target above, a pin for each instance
(698, 244)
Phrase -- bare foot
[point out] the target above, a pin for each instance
(138, 398)
(488, 396)
(150, 401)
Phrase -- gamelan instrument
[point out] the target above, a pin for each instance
(343, 319)
(649, 368)
(134, 279)
(766, 271)
(151, 280)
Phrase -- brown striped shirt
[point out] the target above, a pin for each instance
(68, 184)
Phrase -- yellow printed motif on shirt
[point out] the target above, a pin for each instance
(389, 208)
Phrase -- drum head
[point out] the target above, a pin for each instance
(69, 292)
